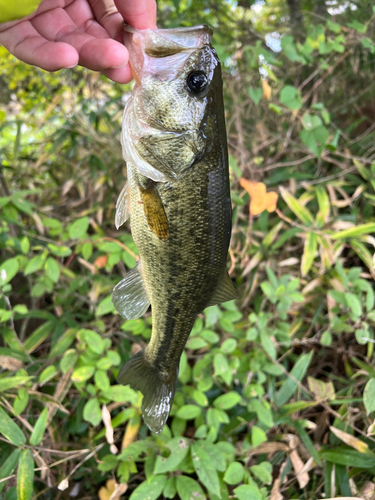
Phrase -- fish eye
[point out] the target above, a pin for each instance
(197, 82)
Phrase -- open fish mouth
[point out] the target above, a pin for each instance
(148, 48)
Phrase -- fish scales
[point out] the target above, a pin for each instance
(178, 198)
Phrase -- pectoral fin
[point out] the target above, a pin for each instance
(154, 210)
(129, 296)
(225, 291)
(122, 207)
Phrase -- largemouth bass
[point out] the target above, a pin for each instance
(178, 199)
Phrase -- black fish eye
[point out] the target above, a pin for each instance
(197, 82)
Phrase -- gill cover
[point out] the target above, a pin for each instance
(163, 128)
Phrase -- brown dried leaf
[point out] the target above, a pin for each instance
(120, 490)
(101, 261)
(350, 440)
(368, 490)
(269, 448)
(9, 363)
(298, 466)
(131, 431)
(267, 91)
(67, 187)
(321, 390)
(106, 417)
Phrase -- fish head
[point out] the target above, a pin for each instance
(177, 74)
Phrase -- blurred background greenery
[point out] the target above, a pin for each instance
(276, 392)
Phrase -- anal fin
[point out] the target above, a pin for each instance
(129, 296)
(225, 291)
(122, 207)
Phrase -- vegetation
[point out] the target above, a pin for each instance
(276, 392)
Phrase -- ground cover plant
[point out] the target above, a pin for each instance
(276, 391)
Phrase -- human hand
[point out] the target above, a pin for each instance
(64, 33)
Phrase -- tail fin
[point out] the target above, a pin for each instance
(157, 387)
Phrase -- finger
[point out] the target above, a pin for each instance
(95, 54)
(140, 14)
(119, 75)
(24, 42)
(108, 16)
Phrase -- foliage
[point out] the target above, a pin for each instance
(280, 381)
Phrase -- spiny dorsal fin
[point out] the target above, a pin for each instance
(225, 291)
(154, 211)
(122, 207)
(129, 296)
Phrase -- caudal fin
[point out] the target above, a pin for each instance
(157, 387)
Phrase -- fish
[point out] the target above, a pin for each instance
(177, 196)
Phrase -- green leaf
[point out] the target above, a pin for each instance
(35, 264)
(256, 95)
(296, 375)
(290, 50)
(234, 473)
(102, 380)
(263, 472)
(25, 476)
(121, 394)
(205, 471)
(361, 28)
(86, 250)
(264, 413)
(170, 488)
(59, 251)
(20, 401)
(105, 306)
(10, 430)
(291, 97)
(83, 373)
(8, 270)
(93, 340)
(78, 228)
(324, 206)
(309, 251)
(64, 342)
(248, 492)
(297, 208)
(10, 382)
(359, 230)
(351, 458)
(52, 269)
(8, 467)
(92, 412)
(179, 448)
(69, 360)
(188, 412)
(39, 428)
(38, 336)
(150, 489)
(369, 396)
(315, 139)
(188, 488)
(227, 401)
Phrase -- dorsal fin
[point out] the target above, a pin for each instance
(225, 291)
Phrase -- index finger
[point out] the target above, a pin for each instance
(140, 14)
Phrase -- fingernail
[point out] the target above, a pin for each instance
(121, 66)
(72, 66)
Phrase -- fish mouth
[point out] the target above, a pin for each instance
(147, 47)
